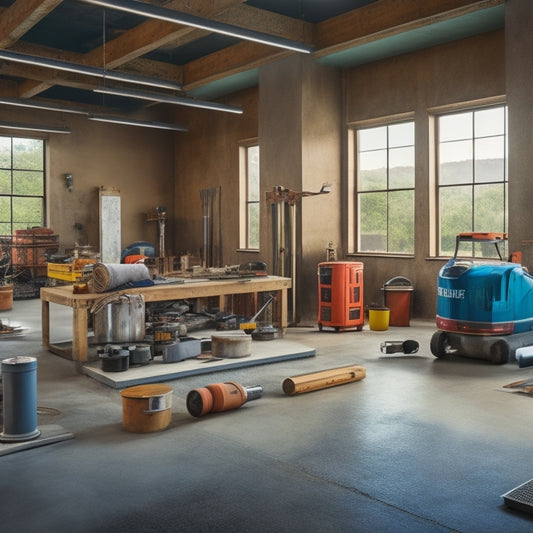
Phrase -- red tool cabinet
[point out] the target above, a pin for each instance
(340, 295)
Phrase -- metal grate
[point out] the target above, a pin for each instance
(520, 497)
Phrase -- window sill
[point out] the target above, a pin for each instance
(381, 254)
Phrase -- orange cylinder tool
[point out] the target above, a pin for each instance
(220, 397)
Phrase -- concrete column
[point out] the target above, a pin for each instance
(300, 131)
(519, 90)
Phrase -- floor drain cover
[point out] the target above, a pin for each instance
(520, 497)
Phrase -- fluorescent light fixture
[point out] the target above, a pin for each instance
(168, 99)
(169, 15)
(36, 104)
(86, 70)
(135, 122)
(33, 127)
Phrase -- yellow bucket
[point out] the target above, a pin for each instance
(378, 318)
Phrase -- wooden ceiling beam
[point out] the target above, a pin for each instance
(385, 18)
(21, 16)
(238, 58)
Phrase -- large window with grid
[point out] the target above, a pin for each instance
(22, 184)
(249, 195)
(471, 175)
(385, 188)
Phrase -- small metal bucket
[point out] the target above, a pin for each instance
(120, 318)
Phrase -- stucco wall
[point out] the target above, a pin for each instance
(300, 114)
(208, 157)
(455, 73)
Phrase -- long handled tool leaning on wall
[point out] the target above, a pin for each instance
(209, 207)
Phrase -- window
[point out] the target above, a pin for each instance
(21, 184)
(471, 175)
(385, 194)
(249, 196)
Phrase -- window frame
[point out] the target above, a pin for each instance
(435, 183)
(354, 191)
(244, 195)
(12, 169)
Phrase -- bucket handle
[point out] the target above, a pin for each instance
(114, 298)
(404, 281)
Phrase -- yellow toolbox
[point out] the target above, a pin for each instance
(68, 271)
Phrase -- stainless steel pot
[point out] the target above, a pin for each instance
(119, 318)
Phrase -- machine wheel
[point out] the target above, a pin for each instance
(499, 352)
(438, 343)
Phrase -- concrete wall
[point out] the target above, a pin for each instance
(137, 161)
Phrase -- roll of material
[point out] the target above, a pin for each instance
(323, 379)
(108, 277)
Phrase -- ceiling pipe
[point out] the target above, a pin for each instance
(177, 17)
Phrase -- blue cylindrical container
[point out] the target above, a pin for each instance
(19, 386)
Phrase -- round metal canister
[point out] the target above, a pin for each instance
(19, 388)
(140, 355)
(231, 345)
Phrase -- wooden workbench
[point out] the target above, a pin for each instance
(81, 303)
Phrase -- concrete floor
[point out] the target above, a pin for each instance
(421, 444)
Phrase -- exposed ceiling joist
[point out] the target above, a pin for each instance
(21, 17)
(199, 59)
(385, 18)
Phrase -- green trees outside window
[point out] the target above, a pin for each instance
(472, 175)
(21, 184)
(386, 188)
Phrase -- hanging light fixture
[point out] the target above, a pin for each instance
(134, 122)
(168, 99)
(36, 104)
(86, 70)
(33, 127)
(169, 15)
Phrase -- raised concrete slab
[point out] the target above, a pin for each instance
(50, 434)
(263, 352)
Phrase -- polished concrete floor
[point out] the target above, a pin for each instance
(421, 444)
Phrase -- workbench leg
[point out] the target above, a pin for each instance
(45, 323)
(284, 302)
(79, 334)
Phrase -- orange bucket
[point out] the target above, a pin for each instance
(146, 408)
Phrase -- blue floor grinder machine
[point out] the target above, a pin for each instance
(484, 307)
